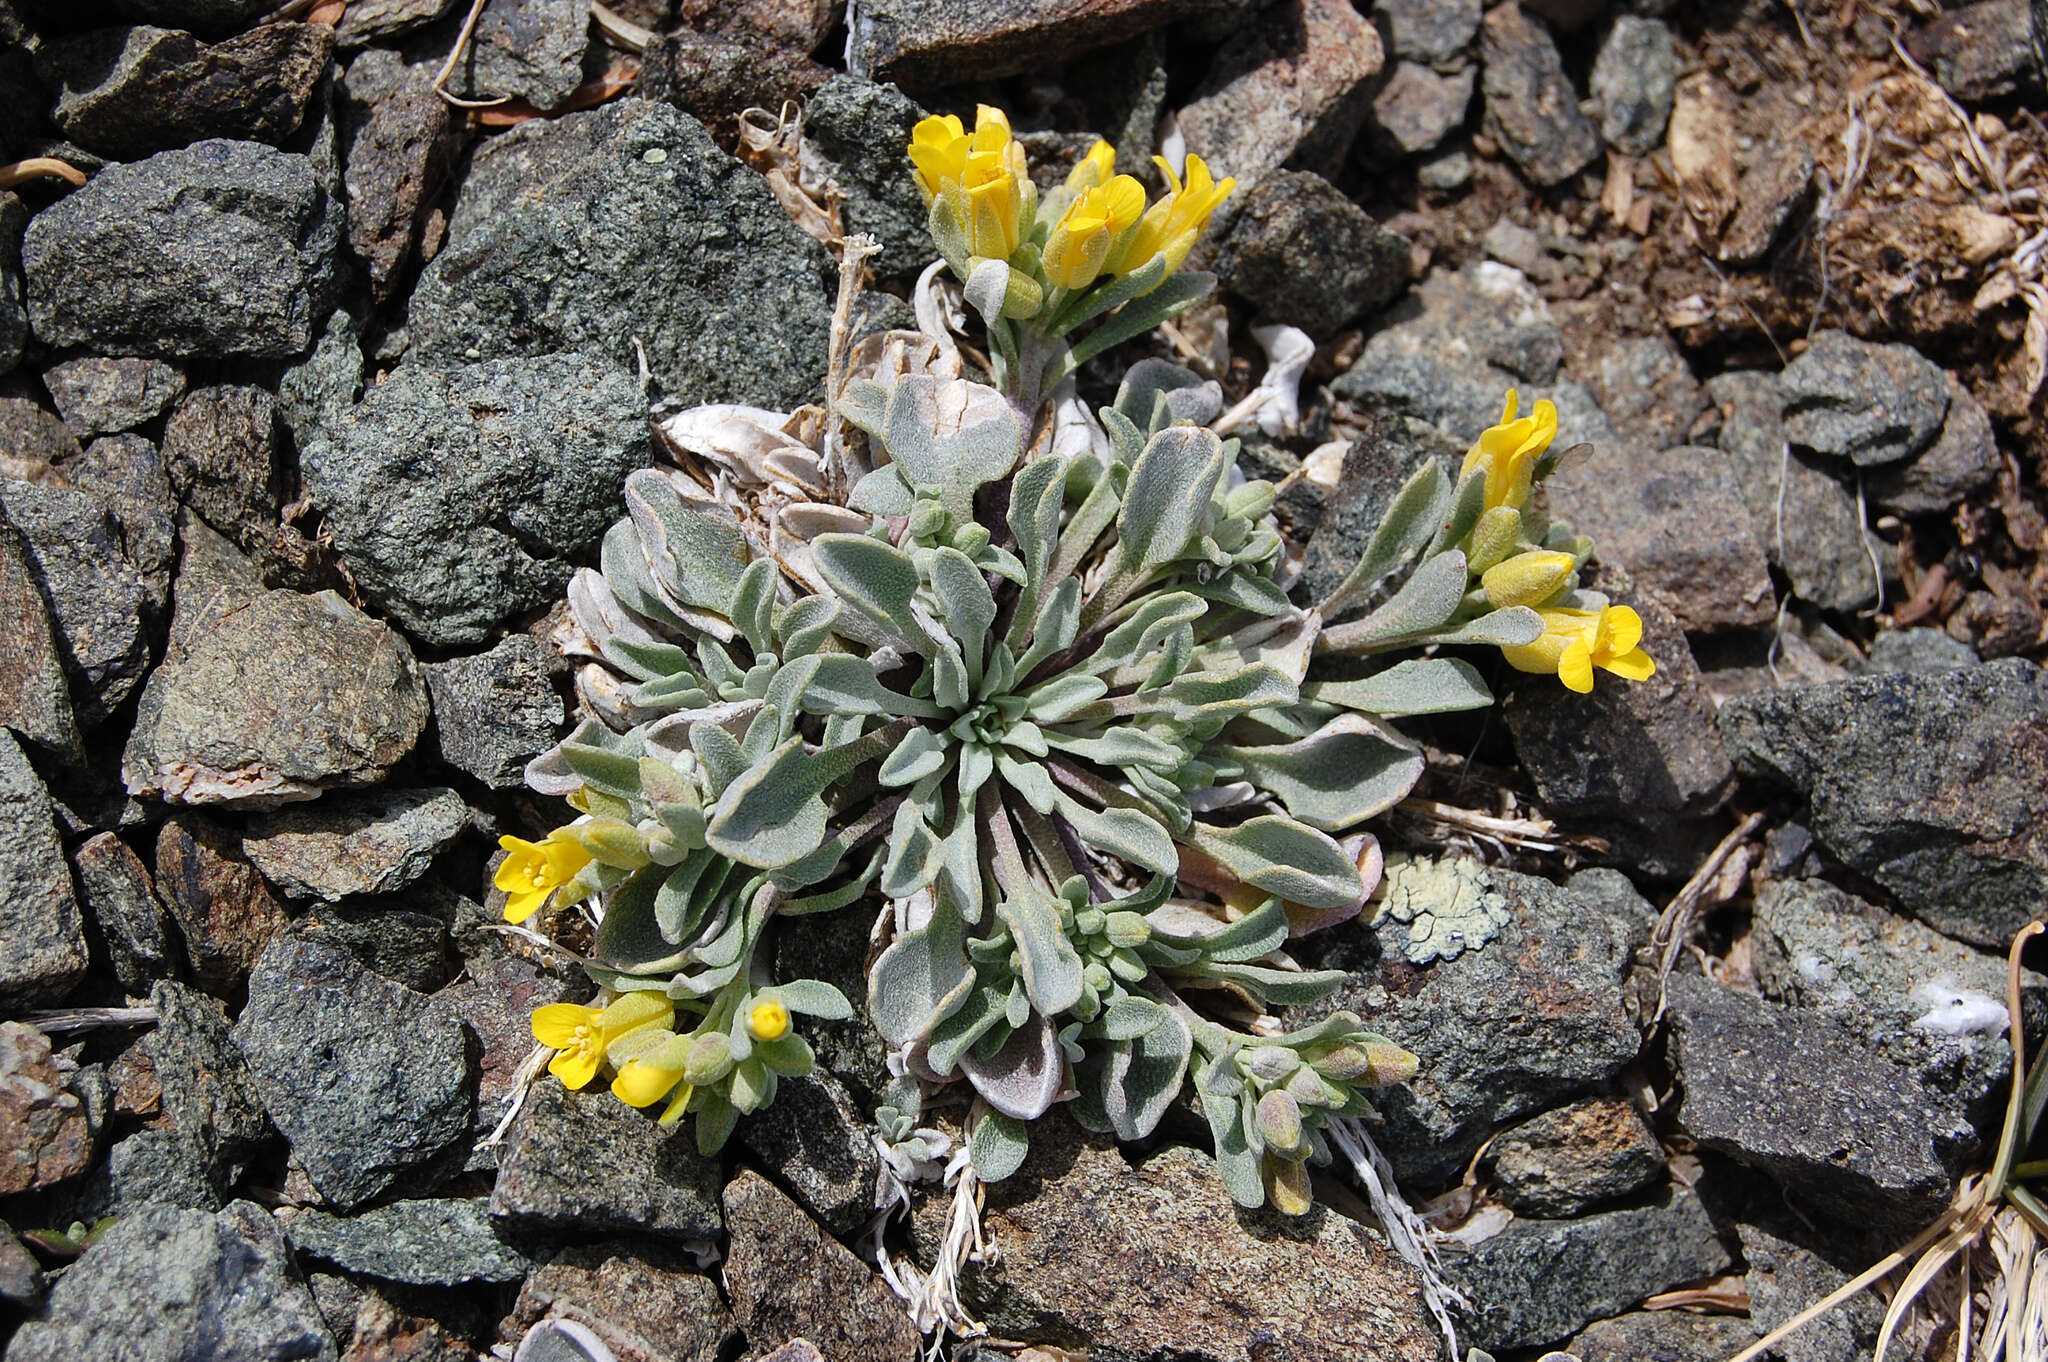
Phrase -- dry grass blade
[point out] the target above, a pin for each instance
(39, 167)
(1674, 924)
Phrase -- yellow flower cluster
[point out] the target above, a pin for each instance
(634, 1036)
(982, 175)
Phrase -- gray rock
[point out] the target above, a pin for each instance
(1806, 1101)
(104, 583)
(152, 1167)
(1645, 387)
(365, 21)
(1982, 51)
(800, 25)
(1564, 954)
(1783, 1279)
(127, 473)
(1429, 30)
(1677, 520)
(641, 1299)
(21, 1277)
(459, 499)
(100, 396)
(1539, 1281)
(1870, 404)
(1076, 1219)
(371, 843)
(35, 696)
(816, 1143)
(1419, 106)
(314, 392)
(496, 998)
(1452, 348)
(1929, 784)
(400, 143)
(587, 1163)
(209, 1095)
(437, 1242)
(1292, 90)
(1635, 79)
(714, 78)
(859, 128)
(1309, 257)
(937, 43)
(833, 947)
(530, 49)
(406, 947)
(128, 92)
(42, 933)
(34, 441)
(1820, 542)
(46, 1133)
(13, 310)
(1531, 109)
(220, 452)
(163, 1285)
(318, 1025)
(264, 697)
(1919, 650)
(1774, 188)
(122, 903)
(1567, 1161)
(225, 913)
(1662, 1336)
(1962, 462)
(1389, 451)
(222, 248)
(495, 711)
(627, 223)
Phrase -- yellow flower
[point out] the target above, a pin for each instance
(1508, 452)
(642, 1082)
(1574, 642)
(1527, 578)
(1081, 239)
(579, 1035)
(1171, 225)
(940, 147)
(768, 1019)
(994, 203)
(1093, 169)
(535, 870)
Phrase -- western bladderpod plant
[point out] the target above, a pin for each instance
(1047, 698)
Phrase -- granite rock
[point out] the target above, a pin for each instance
(221, 453)
(1429, 30)
(936, 42)
(1567, 1161)
(1662, 1336)
(1919, 650)
(858, 129)
(531, 50)
(369, 843)
(1419, 106)
(400, 144)
(1783, 1279)
(641, 1299)
(35, 695)
(820, 1146)
(430, 1242)
(715, 78)
(225, 913)
(1531, 109)
(496, 998)
(120, 900)
(1309, 257)
(586, 1163)
(1963, 462)
(42, 933)
(45, 1138)
(98, 395)
(209, 1095)
(13, 308)
(1635, 79)
(1870, 404)
(495, 711)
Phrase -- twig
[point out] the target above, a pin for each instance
(1869, 550)
(620, 30)
(89, 1018)
(1674, 924)
(37, 167)
(853, 254)
(476, 9)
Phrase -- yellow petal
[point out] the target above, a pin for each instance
(1510, 407)
(677, 1105)
(574, 1067)
(1620, 629)
(640, 1084)
(1632, 666)
(1124, 198)
(555, 1025)
(768, 1019)
(1575, 666)
(521, 906)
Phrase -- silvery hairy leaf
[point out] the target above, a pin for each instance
(1141, 1077)
(1051, 966)
(1414, 516)
(1157, 393)
(920, 979)
(696, 541)
(951, 435)
(998, 1145)
(1426, 601)
(771, 814)
(1285, 858)
(1023, 1078)
(1171, 486)
(1344, 773)
(1431, 685)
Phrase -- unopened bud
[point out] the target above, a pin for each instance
(1530, 579)
(1287, 1188)
(1279, 1117)
(1270, 1063)
(709, 1058)
(1494, 537)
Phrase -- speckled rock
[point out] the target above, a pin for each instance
(1635, 79)
(789, 1279)
(1962, 462)
(641, 1299)
(1531, 109)
(1310, 257)
(115, 888)
(814, 1141)
(44, 1136)
(209, 1096)
(1662, 1336)
(99, 396)
(402, 144)
(585, 1162)
(225, 913)
(430, 1242)
(495, 711)
(1870, 404)
(35, 696)
(936, 42)
(371, 843)
(221, 454)
(1566, 1161)
(531, 50)
(857, 127)
(42, 933)
(1430, 30)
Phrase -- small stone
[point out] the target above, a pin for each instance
(1772, 191)
(1870, 404)
(643, 1300)
(365, 21)
(368, 1080)
(371, 843)
(226, 915)
(128, 92)
(1662, 1336)
(1445, 172)
(789, 1279)
(422, 1243)
(222, 248)
(1980, 52)
(408, 948)
(382, 1332)
(495, 711)
(1784, 1279)
(565, 238)
(833, 947)
(859, 129)
(265, 697)
(401, 142)
(459, 499)
(1531, 109)
(122, 903)
(42, 933)
(127, 474)
(1806, 1101)
(714, 78)
(818, 1145)
(1564, 953)
(1430, 30)
(1820, 542)
(21, 1277)
(103, 584)
(164, 1285)
(1538, 1281)
(587, 1163)
(209, 1096)
(100, 396)
(525, 49)
(1080, 1227)
(1930, 784)
(1309, 257)
(1646, 388)
(34, 441)
(152, 1167)
(1567, 1161)
(1390, 450)
(1962, 463)
(35, 696)
(45, 1138)
(1676, 519)
(1420, 106)
(1919, 650)
(1635, 79)
(221, 454)
(1292, 90)
(934, 42)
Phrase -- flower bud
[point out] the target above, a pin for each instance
(1270, 1063)
(1529, 579)
(642, 1084)
(767, 1019)
(1494, 537)
(1287, 1189)
(1279, 1117)
(709, 1058)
